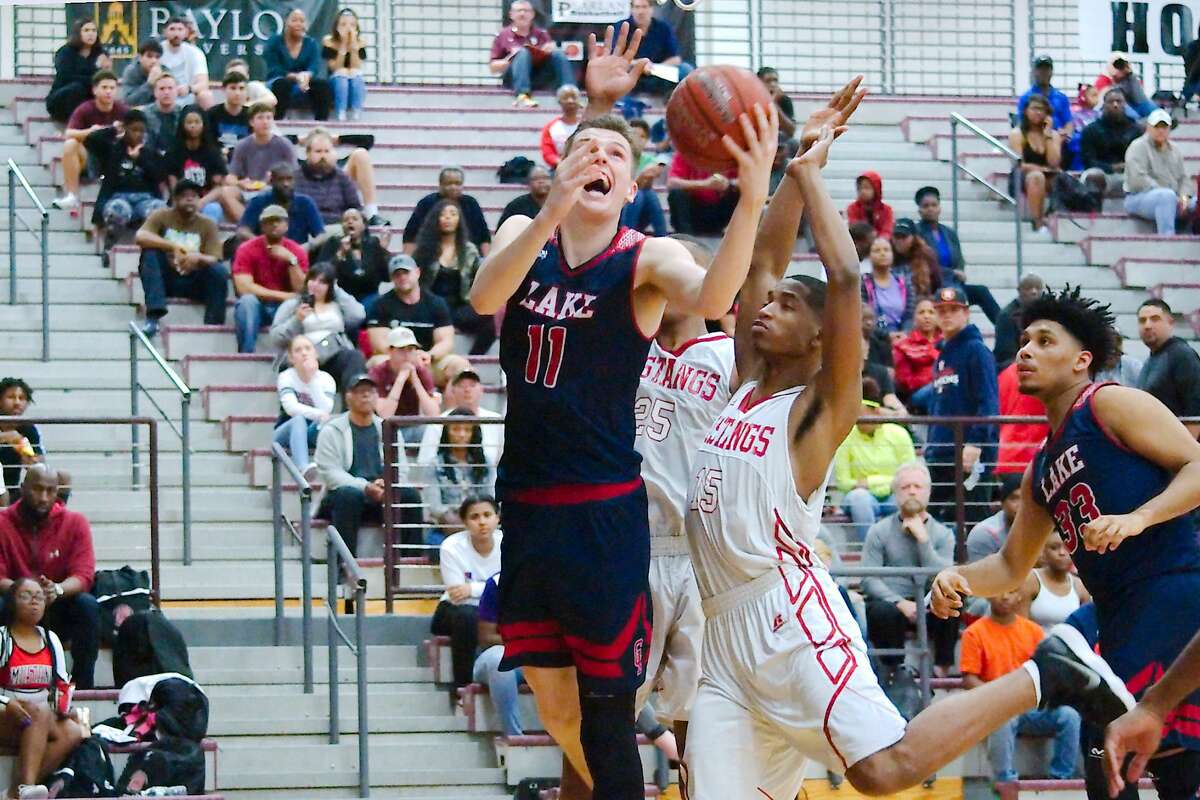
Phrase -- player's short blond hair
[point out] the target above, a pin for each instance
(609, 122)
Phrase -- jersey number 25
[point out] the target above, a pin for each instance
(653, 417)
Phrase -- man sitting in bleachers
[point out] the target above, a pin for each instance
(645, 213)
(133, 175)
(230, 119)
(530, 203)
(988, 535)
(1104, 142)
(187, 63)
(523, 53)
(404, 382)
(995, 646)
(333, 189)
(40, 537)
(1172, 372)
(1156, 181)
(254, 156)
(181, 255)
(450, 187)
(659, 45)
(304, 218)
(102, 111)
(554, 135)
(701, 202)
(267, 270)
(163, 115)
(1060, 105)
(139, 75)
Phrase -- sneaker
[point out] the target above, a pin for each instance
(150, 328)
(525, 101)
(377, 221)
(356, 114)
(32, 791)
(67, 202)
(1073, 675)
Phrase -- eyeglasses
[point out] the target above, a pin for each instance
(27, 596)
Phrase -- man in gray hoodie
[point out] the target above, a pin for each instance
(137, 81)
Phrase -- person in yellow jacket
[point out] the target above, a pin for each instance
(867, 460)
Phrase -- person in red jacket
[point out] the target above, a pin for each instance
(556, 132)
(40, 537)
(1019, 442)
(869, 207)
(913, 356)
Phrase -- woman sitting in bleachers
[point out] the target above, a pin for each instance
(36, 717)
(306, 399)
(448, 262)
(1040, 147)
(461, 470)
(323, 312)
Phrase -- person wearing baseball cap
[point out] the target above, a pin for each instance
(1156, 181)
(405, 383)
(1060, 104)
(964, 385)
(267, 270)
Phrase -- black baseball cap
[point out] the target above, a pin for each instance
(361, 377)
(186, 185)
(951, 296)
(904, 227)
(1043, 61)
(466, 375)
(1009, 483)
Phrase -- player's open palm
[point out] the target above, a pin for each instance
(613, 68)
(754, 161)
(835, 115)
(946, 597)
(574, 172)
(1106, 532)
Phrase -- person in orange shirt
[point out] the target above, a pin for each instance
(994, 646)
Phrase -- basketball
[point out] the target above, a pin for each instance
(706, 106)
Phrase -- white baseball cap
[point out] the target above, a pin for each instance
(402, 337)
(1159, 116)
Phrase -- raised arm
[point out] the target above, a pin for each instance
(613, 68)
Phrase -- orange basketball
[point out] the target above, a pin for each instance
(705, 106)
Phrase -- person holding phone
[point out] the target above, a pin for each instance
(1040, 146)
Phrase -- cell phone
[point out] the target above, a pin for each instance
(307, 299)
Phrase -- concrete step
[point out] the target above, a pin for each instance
(919, 128)
(91, 470)
(203, 370)
(91, 437)
(65, 373)
(1183, 299)
(1146, 271)
(282, 666)
(181, 341)
(221, 401)
(1108, 250)
(1077, 227)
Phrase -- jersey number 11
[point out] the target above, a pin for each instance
(554, 341)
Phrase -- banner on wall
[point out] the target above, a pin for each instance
(602, 11)
(1147, 31)
(570, 21)
(226, 29)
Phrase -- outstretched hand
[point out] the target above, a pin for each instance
(613, 68)
(949, 589)
(818, 152)
(574, 172)
(835, 116)
(754, 161)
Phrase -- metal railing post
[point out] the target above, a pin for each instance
(923, 638)
(389, 515)
(45, 286)
(360, 639)
(333, 560)
(12, 237)
(185, 403)
(960, 494)
(135, 464)
(954, 171)
(277, 526)
(1017, 228)
(155, 580)
(306, 587)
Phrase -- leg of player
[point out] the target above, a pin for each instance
(610, 744)
(556, 692)
(572, 787)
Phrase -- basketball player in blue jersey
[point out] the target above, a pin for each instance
(582, 298)
(1117, 477)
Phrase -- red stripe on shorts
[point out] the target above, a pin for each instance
(569, 494)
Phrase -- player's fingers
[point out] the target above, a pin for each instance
(735, 150)
(839, 130)
(621, 40)
(1137, 767)
(748, 130)
(1112, 772)
(592, 46)
(634, 44)
(853, 105)
(639, 66)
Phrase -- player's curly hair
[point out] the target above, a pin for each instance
(1091, 323)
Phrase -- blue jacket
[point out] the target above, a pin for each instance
(280, 62)
(304, 220)
(964, 385)
(1060, 106)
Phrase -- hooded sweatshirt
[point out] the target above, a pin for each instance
(914, 356)
(877, 213)
(964, 385)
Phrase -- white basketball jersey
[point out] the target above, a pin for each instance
(744, 515)
(681, 393)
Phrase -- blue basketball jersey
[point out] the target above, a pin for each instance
(573, 355)
(1083, 472)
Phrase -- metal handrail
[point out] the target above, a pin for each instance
(281, 460)
(136, 337)
(340, 561)
(15, 176)
(956, 120)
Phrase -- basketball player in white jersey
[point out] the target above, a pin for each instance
(785, 676)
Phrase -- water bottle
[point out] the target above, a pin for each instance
(976, 473)
(165, 791)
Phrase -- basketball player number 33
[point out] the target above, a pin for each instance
(1082, 501)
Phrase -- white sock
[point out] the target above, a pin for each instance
(1036, 675)
(370, 210)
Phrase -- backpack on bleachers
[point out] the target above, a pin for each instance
(1069, 193)
(119, 592)
(87, 772)
(170, 761)
(155, 706)
(148, 644)
(531, 788)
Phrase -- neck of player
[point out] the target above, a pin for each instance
(781, 374)
(1058, 405)
(673, 333)
(582, 239)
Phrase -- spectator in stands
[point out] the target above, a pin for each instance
(163, 115)
(323, 312)
(888, 294)
(350, 463)
(879, 344)
(964, 385)
(1191, 73)
(1040, 146)
(333, 189)
(230, 120)
(139, 75)
(908, 538)
(785, 150)
(129, 191)
(1019, 441)
(39, 536)
(450, 187)
(1051, 592)
(187, 63)
(787, 111)
(1086, 112)
(863, 236)
(197, 158)
(254, 155)
(102, 111)
(1125, 369)
(556, 132)
(701, 202)
(1119, 72)
(20, 443)
(448, 264)
(181, 257)
(306, 397)
(645, 213)
(1156, 180)
(460, 470)
(914, 356)
(34, 682)
(866, 462)
(359, 258)
(304, 219)
(1172, 372)
(267, 270)
(503, 686)
(74, 65)
(890, 404)
(915, 259)
(989, 534)
(426, 314)
(1060, 105)
(465, 390)
(944, 241)
(530, 203)
(294, 69)
(1103, 144)
(868, 205)
(659, 46)
(994, 646)
(405, 383)
(345, 50)
(523, 53)
(257, 92)
(467, 559)
(1008, 324)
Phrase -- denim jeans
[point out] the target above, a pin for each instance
(299, 435)
(864, 509)
(348, 93)
(249, 315)
(520, 71)
(214, 212)
(1189, 89)
(124, 209)
(76, 619)
(1062, 723)
(1159, 205)
(207, 285)
(502, 686)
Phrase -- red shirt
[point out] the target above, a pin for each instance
(508, 40)
(89, 114)
(914, 356)
(385, 377)
(1019, 443)
(683, 169)
(28, 671)
(252, 259)
(61, 549)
